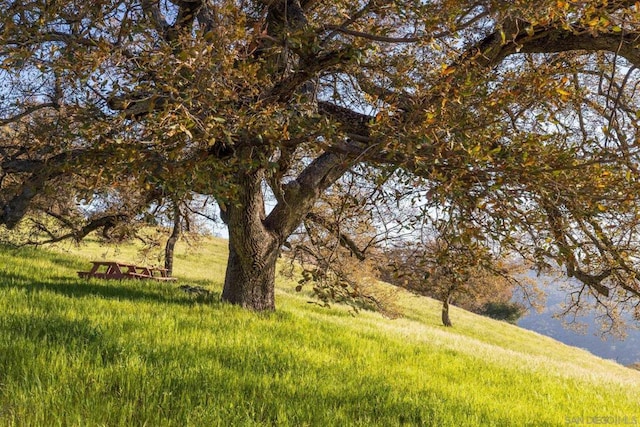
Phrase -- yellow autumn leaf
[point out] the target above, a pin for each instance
(593, 22)
(446, 70)
(431, 118)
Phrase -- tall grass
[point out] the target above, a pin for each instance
(84, 353)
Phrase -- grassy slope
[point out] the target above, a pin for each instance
(76, 352)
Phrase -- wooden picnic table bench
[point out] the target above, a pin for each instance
(118, 270)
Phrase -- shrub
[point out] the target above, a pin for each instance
(507, 311)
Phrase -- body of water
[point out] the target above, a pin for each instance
(625, 351)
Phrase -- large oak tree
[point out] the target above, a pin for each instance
(518, 116)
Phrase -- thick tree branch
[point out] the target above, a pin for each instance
(284, 90)
(105, 222)
(561, 40)
(137, 105)
(351, 122)
(300, 194)
(28, 111)
(13, 165)
(373, 37)
(55, 36)
(16, 208)
(41, 172)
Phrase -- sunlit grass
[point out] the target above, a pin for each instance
(78, 352)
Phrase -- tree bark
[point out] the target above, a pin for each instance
(171, 242)
(250, 283)
(253, 249)
(446, 320)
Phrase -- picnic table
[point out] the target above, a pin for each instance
(119, 271)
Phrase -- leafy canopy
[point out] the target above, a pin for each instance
(518, 120)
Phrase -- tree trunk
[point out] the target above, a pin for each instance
(171, 242)
(446, 320)
(255, 241)
(253, 249)
(250, 283)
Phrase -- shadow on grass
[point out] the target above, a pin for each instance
(54, 334)
(52, 328)
(163, 293)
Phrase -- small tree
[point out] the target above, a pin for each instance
(186, 214)
(174, 219)
(503, 310)
(455, 268)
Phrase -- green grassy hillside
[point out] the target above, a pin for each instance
(87, 353)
